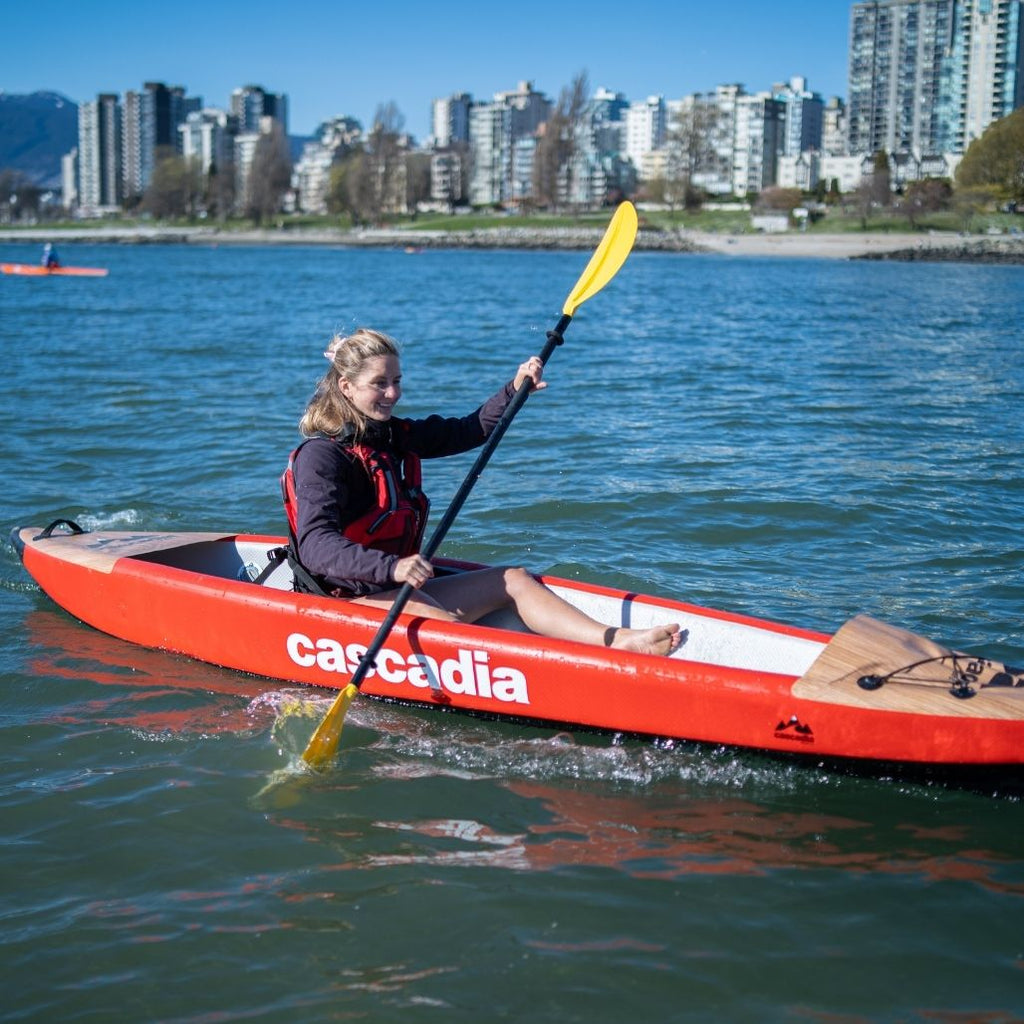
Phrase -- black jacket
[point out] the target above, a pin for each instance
(332, 489)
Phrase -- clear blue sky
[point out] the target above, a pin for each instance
(337, 57)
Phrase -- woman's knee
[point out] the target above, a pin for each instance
(517, 579)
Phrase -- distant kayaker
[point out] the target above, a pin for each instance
(357, 514)
(50, 259)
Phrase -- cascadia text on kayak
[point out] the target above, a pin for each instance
(469, 673)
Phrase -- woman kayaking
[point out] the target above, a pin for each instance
(357, 514)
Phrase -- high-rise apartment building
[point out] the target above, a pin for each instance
(151, 119)
(607, 116)
(490, 139)
(834, 136)
(449, 119)
(757, 142)
(646, 125)
(804, 116)
(993, 70)
(528, 107)
(600, 167)
(502, 137)
(928, 76)
(99, 154)
(251, 103)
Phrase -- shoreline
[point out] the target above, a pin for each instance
(932, 246)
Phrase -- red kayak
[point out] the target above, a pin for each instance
(38, 270)
(870, 692)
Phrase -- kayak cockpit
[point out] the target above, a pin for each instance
(707, 636)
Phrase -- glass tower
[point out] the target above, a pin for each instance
(928, 76)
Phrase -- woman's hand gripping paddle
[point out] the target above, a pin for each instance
(603, 266)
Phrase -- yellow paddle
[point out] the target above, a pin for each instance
(609, 256)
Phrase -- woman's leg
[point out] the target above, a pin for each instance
(419, 603)
(469, 596)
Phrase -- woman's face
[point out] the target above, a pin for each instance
(375, 391)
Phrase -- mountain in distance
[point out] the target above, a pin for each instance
(36, 130)
(296, 144)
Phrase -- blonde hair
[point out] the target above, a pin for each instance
(329, 411)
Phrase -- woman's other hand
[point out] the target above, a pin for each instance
(414, 570)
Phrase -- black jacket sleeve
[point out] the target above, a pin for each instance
(438, 436)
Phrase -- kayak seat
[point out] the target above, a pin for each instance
(266, 567)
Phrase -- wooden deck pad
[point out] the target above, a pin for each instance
(919, 675)
(101, 549)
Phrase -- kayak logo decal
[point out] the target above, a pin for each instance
(794, 730)
(469, 673)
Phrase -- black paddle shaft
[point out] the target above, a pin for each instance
(518, 401)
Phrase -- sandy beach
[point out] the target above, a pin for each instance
(935, 246)
(803, 244)
(854, 245)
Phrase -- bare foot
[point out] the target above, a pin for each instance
(658, 640)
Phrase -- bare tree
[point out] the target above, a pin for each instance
(454, 169)
(547, 160)
(382, 189)
(556, 162)
(19, 198)
(874, 192)
(881, 180)
(927, 196)
(270, 174)
(691, 150)
(417, 179)
(220, 191)
(779, 200)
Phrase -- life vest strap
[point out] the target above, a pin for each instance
(394, 524)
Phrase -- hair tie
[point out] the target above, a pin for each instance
(332, 349)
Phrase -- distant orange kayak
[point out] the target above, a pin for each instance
(38, 270)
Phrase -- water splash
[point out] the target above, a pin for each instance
(407, 743)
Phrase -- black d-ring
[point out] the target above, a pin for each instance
(72, 526)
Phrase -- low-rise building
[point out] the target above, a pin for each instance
(802, 171)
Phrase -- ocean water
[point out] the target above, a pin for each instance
(799, 440)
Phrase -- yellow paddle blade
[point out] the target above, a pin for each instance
(608, 257)
(324, 744)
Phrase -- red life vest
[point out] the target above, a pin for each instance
(396, 522)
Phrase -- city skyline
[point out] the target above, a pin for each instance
(218, 48)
